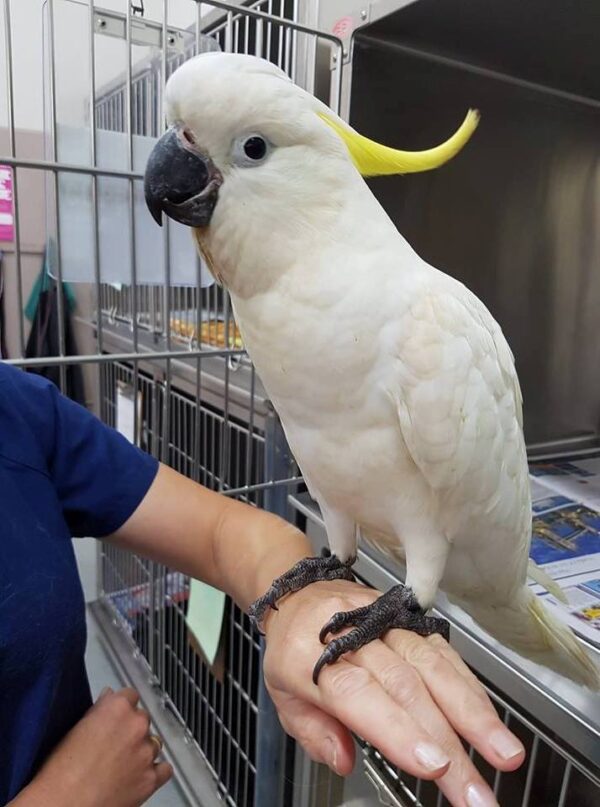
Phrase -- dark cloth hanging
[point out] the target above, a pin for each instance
(44, 337)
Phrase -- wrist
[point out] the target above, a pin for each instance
(293, 548)
(286, 546)
(296, 601)
(251, 548)
(328, 596)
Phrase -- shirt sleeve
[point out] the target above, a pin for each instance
(99, 476)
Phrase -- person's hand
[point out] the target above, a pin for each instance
(108, 758)
(408, 696)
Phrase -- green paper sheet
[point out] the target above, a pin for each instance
(204, 619)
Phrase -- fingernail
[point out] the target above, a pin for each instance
(331, 754)
(104, 692)
(505, 744)
(431, 756)
(480, 796)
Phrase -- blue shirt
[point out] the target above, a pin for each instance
(63, 473)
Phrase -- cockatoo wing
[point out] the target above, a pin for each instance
(460, 412)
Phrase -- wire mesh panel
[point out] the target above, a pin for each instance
(219, 712)
(220, 715)
(126, 579)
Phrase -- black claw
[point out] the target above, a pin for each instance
(335, 624)
(309, 570)
(328, 656)
(398, 608)
(342, 620)
(328, 627)
(323, 660)
(344, 644)
(255, 622)
(259, 608)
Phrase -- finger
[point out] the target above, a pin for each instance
(322, 736)
(156, 745)
(353, 695)
(404, 684)
(163, 772)
(461, 699)
(459, 665)
(142, 723)
(130, 695)
(103, 693)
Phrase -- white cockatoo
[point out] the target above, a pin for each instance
(396, 388)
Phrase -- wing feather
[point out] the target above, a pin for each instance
(459, 406)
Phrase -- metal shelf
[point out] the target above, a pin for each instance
(217, 380)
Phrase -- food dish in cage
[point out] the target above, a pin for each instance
(213, 333)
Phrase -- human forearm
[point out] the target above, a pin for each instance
(48, 790)
(253, 549)
(232, 546)
(34, 795)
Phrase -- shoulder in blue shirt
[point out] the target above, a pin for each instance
(63, 473)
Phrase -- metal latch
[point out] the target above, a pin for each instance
(385, 794)
(143, 32)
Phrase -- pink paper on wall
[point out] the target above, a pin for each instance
(7, 217)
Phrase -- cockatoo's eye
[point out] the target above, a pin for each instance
(250, 150)
(255, 148)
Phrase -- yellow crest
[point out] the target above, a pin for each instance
(372, 159)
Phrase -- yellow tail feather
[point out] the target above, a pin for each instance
(540, 576)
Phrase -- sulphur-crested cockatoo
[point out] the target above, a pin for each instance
(395, 386)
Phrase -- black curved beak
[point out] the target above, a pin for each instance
(180, 181)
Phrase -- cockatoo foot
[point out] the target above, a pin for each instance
(397, 608)
(306, 571)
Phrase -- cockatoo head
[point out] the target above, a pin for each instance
(241, 134)
(249, 155)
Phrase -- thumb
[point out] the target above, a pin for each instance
(323, 737)
(106, 691)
